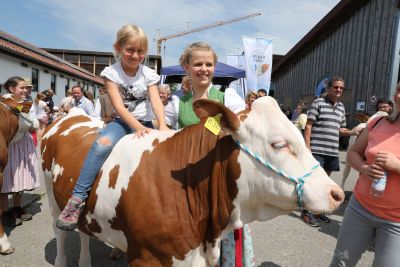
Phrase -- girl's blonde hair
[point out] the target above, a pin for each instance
(127, 32)
(193, 47)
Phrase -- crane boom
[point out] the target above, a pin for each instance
(205, 27)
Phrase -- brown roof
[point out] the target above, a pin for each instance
(337, 15)
(17, 47)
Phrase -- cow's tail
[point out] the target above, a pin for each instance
(346, 173)
(347, 167)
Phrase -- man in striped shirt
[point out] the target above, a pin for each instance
(326, 120)
(80, 101)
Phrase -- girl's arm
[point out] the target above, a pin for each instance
(119, 107)
(158, 107)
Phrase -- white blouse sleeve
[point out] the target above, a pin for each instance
(233, 101)
(150, 76)
(110, 73)
(172, 111)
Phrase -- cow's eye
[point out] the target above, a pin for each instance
(280, 145)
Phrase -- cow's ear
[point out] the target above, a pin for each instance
(205, 108)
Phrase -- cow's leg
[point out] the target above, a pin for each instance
(5, 246)
(61, 258)
(84, 257)
(213, 252)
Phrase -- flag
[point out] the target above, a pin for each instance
(322, 84)
(258, 57)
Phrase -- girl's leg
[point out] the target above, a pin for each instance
(356, 234)
(387, 244)
(98, 153)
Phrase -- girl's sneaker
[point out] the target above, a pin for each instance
(68, 218)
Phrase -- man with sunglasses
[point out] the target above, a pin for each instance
(326, 120)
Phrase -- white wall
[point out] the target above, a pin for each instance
(11, 66)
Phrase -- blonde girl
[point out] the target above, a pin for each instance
(199, 61)
(132, 87)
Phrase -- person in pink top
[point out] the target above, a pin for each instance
(370, 218)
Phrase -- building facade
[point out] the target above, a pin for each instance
(357, 40)
(19, 58)
(95, 62)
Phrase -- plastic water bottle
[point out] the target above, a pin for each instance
(378, 186)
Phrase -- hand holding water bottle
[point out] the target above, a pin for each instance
(388, 161)
(378, 171)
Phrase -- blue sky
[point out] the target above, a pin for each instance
(92, 24)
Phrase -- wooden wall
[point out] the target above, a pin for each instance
(357, 45)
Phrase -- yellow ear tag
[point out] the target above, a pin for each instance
(213, 124)
(20, 108)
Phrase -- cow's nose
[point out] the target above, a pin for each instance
(337, 196)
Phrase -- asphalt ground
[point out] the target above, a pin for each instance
(284, 241)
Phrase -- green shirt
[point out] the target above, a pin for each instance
(186, 114)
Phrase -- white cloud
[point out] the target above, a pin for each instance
(92, 24)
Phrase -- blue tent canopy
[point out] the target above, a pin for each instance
(224, 74)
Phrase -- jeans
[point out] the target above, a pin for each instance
(98, 154)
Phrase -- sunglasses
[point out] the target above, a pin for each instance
(337, 87)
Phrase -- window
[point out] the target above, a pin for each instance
(35, 79)
(102, 60)
(99, 69)
(53, 83)
(87, 59)
(66, 86)
(72, 58)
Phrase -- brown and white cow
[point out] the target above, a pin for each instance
(14, 124)
(167, 198)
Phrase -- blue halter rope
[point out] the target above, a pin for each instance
(299, 181)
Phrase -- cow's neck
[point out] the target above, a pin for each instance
(9, 125)
(211, 172)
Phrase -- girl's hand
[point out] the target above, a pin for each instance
(142, 132)
(164, 128)
(388, 161)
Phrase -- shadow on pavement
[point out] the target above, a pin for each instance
(32, 207)
(99, 252)
(268, 264)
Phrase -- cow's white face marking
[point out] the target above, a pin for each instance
(263, 193)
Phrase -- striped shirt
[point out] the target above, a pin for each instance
(328, 119)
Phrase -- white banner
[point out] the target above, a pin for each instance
(237, 61)
(258, 55)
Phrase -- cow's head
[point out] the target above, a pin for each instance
(267, 133)
(20, 109)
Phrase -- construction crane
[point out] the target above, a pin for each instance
(205, 27)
